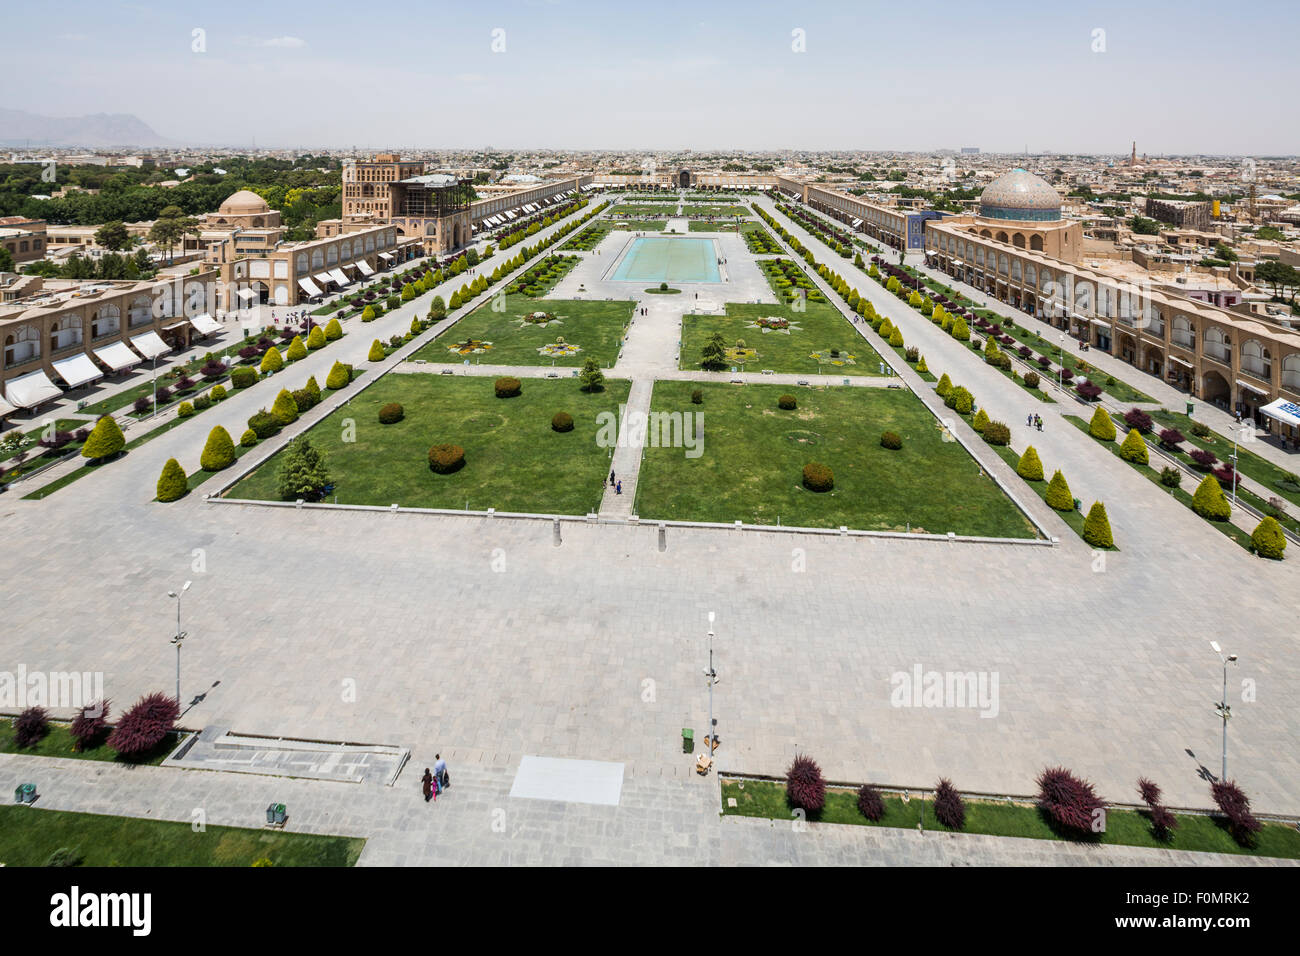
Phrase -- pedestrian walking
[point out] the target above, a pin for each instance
(1029, 419)
(426, 785)
(440, 772)
(611, 476)
(618, 488)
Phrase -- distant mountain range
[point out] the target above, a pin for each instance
(18, 128)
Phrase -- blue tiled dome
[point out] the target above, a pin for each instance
(1020, 195)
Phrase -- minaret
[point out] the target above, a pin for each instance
(1133, 157)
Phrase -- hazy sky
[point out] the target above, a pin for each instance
(1178, 78)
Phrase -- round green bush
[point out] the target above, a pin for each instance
(1268, 540)
(1031, 380)
(507, 387)
(172, 483)
(817, 477)
(218, 392)
(390, 413)
(997, 433)
(786, 401)
(891, 440)
(697, 397)
(249, 438)
(243, 376)
(562, 422)
(219, 452)
(444, 459)
(184, 410)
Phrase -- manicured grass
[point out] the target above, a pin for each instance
(590, 237)
(767, 800)
(819, 328)
(1181, 494)
(596, 327)
(540, 278)
(753, 455)
(59, 743)
(514, 461)
(29, 835)
(1248, 463)
(641, 225)
(663, 291)
(715, 211)
(643, 209)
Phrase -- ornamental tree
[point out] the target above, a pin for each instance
(145, 725)
(219, 452)
(105, 439)
(1268, 539)
(272, 361)
(377, 353)
(1096, 527)
(303, 473)
(172, 483)
(1133, 449)
(1209, 501)
(285, 409)
(1101, 427)
(1058, 493)
(1030, 466)
(297, 350)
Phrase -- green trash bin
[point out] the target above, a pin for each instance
(688, 740)
(1190, 409)
(25, 793)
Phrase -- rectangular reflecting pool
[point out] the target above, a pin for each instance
(656, 259)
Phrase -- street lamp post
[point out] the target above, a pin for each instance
(180, 635)
(1222, 708)
(1060, 371)
(155, 388)
(1235, 479)
(712, 676)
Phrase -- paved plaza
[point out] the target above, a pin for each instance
(481, 638)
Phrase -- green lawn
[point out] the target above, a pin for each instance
(643, 209)
(819, 328)
(706, 211)
(594, 327)
(29, 835)
(58, 743)
(514, 461)
(767, 800)
(753, 456)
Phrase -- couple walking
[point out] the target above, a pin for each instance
(432, 783)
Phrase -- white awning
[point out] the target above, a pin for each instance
(509, 214)
(205, 324)
(5, 407)
(150, 345)
(248, 295)
(857, 223)
(77, 370)
(1254, 388)
(117, 356)
(309, 287)
(382, 255)
(1104, 323)
(1288, 413)
(1183, 362)
(28, 391)
(323, 278)
(338, 276)
(365, 267)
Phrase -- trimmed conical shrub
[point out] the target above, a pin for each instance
(297, 350)
(944, 386)
(896, 338)
(272, 361)
(172, 483)
(921, 366)
(1096, 527)
(1268, 539)
(368, 314)
(312, 387)
(333, 331)
(1209, 501)
(376, 351)
(338, 376)
(1133, 448)
(980, 421)
(285, 409)
(1030, 467)
(249, 438)
(1058, 493)
(1101, 427)
(105, 439)
(959, 329)
(219, 452)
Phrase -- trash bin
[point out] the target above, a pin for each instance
(1190, 409)
(1078, 505)
(688, 740)
(279, 813)
(25, 793)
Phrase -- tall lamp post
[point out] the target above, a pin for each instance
(180, 635)
(1060, 371)
(1222, 708)
(712, 676)
(1235, 478)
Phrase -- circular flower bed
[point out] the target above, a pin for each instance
(390, 413)
(817, 477)
(445, 459)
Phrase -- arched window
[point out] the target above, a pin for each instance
(1031, 274)
(1291, 371)
(21, 346)
(141, 311)
(301, 263)
(1254, 359)
(1217, 345)
(979, 256)
(1036, 243)
(1018, 240)
(1015, 270)
(65, 332)
(1184, 334)
(107, 320)
(1002, 264)
(370, 243)
(332, 256)
(1002, 237)
(1044, 279)
(345, 249)
(317, 259)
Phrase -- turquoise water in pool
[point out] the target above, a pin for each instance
(655, 259)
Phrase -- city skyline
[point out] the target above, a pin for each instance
(724, 80)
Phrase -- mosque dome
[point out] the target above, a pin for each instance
(1022, 196)
(244, 203)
